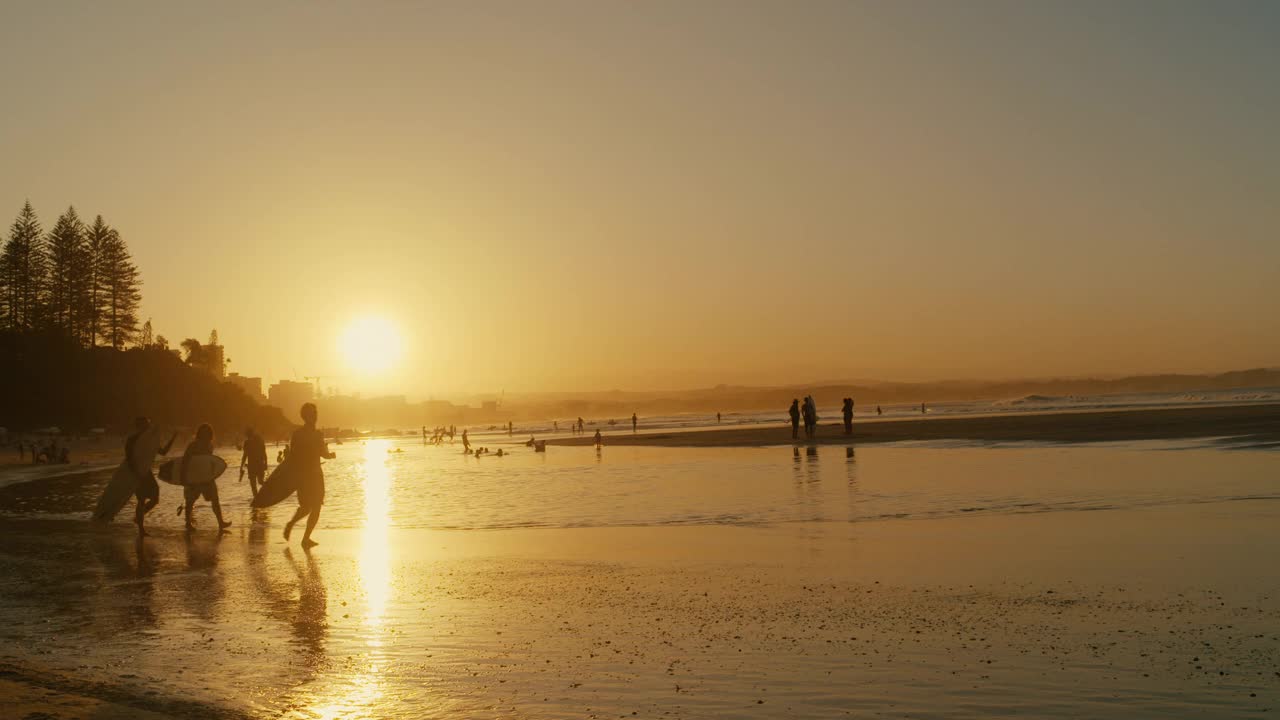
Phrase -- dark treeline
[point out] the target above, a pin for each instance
(48, 380)
(77, 281)
(69, 301)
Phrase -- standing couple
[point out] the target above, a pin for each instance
(809, 412)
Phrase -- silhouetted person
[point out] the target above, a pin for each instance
(582, 427)
(922, 410)
(599, 440)
(308, 448)
(811, 423)
(794, 412)
(466, 444)
(255, 458)
(140, 453)
(510, 428)
(847, 411)
(878, 411)
(633, 422)
(717, 418)
(201, 445)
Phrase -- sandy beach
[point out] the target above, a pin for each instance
(1256, 424)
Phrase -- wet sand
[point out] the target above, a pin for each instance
(1252, 424)
(921, 581)
(1136, 613)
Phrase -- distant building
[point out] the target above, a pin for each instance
(252, 386)
(214, 361)
(289, 395)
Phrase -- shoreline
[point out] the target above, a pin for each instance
(1255, 423)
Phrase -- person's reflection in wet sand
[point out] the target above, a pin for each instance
(145, 558)
(851, 470)
(205, 589)
(302, 605)
(129, 568)
(311, 622)
(259, 524)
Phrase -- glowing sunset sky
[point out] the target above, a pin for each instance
(548, 196)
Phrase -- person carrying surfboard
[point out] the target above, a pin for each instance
(202, 445)
(140, 450)
(306, 450)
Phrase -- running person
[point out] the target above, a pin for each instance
(306, 450)
(202, 445)
(140, 453)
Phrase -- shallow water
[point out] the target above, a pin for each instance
(408, 485)
(916, 581)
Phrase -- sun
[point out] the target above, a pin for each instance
(370, 345)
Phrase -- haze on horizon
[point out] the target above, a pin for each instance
(583, 196)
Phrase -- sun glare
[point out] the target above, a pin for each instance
(370, 345)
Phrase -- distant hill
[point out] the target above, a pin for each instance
(746, 399)
(46, 380)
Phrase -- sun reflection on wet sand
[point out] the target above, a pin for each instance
(375, 565)
(361, 694)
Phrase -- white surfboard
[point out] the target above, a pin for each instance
(204, 469)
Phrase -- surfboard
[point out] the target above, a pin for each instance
(116, 494)
(204, 469)
(280, 484)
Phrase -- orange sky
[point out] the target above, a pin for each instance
(550, 196)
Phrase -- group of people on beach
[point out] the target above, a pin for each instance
(49, 453)
(307, 449)
(808, 411)
(438, 434)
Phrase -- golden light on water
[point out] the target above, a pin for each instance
(370, 345)
(363, 688)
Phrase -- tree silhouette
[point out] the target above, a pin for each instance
(68, 274)
(23, 272)
(96, 239)
(195, 355)
(118, 285)
(145, 339)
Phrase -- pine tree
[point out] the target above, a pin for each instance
(145, 340)
(68, 274)
(119, 287)
(96, 240)
(24, 271)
